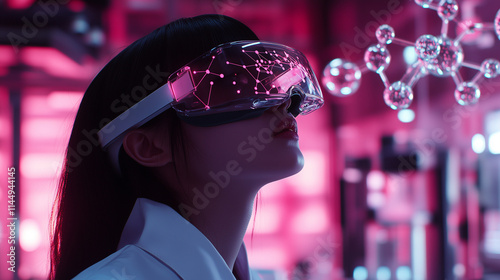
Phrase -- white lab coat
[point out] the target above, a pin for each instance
(158, 243)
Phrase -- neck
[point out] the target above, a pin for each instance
(224, 221)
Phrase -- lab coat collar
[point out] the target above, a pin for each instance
(159, 230)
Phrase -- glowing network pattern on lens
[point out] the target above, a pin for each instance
(440, 56)
(259, 70)
(245, 75)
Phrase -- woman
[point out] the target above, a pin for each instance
(171, 143)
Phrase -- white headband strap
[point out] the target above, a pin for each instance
(146, 109)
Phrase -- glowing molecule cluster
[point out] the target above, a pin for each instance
(440, 56)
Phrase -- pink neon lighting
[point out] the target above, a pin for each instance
(375, 199)
(311, 179)
(266, 65)
(261, 257)
(274, 190)
(41, 165)
(375, 180)
(64, 100)
(45, 128)
(311, 219)
(5, 125)
(268, 220)
(30, 236)
(19, 4)
(206, 72)
(7, 56)
(54, 62)
(183, 84)
(270, 70)
(76, 5)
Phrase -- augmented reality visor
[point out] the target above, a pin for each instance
(236, 80)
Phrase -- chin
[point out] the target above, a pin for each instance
(285, 166)
(276, 162)
(293, 166)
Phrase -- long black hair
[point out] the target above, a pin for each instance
(93, 202)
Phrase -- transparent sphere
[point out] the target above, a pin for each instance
(467, 94)
(448, 9)
(497, 24)
(424, 3)
(490, 68)
(449, 59)
(341, 77)
(427, 47)
(385, 34)
(398, 96)
(377, 58)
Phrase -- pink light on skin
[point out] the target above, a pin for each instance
(54, 62)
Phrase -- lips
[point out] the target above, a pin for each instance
(287, 128)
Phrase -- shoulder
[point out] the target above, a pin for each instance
(128, 263)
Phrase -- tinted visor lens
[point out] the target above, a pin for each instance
(243, 76)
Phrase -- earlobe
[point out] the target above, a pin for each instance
(144, 148)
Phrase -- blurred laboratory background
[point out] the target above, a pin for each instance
(401, 180)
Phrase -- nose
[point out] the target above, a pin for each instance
(292, 104)
(284, 107)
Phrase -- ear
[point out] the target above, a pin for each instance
(145, 147)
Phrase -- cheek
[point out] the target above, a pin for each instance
(251, 144)
(287, 154)
(212, 146)
(271, 161)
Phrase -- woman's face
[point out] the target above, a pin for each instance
(258, 150)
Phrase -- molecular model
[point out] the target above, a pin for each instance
(440, 56)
